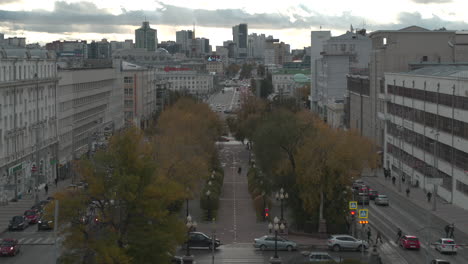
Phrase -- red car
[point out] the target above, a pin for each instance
(409, 242)
(9, 247)
(32, 216)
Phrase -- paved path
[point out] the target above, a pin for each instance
(18, 208)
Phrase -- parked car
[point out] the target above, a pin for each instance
(268, 242)
(357, 184)
(446, 245)
(345, 242)
(381, 199)
(32, 216)
(363, 198)
(37, 207)
(410, 242)
(45, 223)
(199, 239)
(18, 222)
(321, 257)
(373, 194)
(440, 261)
(9, 247)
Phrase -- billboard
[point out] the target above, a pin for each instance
(213, 58)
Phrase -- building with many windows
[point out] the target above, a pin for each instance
(186, 80)
(90, 102)
(28, 121)
(146, 37)
(239, 37)
(426, 129)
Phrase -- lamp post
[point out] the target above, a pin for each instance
(264, 206)
(276, 226)
(208, 193)
(282, 196)
(189, 258)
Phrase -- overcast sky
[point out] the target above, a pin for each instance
(291, 21)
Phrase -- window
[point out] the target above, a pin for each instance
(461, 187)
(128, 79)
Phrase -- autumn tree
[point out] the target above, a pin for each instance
(123, 215)
(327, 162)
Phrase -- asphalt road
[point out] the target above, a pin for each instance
(36, 247)
(413, 220)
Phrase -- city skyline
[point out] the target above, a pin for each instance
(45, 21)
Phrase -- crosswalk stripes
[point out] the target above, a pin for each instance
(243, 260)
(36, 241)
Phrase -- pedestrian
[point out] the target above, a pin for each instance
(407, 191)
(399, 233)
(429, 195)
(393, 180)
(447, 230)
(46, 188)
(378, 238)
(56, 182)
(452, 228)
(369, 234)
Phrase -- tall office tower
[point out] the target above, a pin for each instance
(239, 36)
(184, 39)
(146, 37)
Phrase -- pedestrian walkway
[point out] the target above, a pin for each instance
(445, 211)
(37, 241)
(18, 208)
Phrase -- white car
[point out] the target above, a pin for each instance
(446, 245)
(345, 242)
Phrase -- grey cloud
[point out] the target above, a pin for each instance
(86, 17)
(432, 1)
(2, 2)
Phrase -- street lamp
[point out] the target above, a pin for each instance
(276, 226)
(264, 206)
(187, 202)
(208, 193)
(282, 196)
(190, 225)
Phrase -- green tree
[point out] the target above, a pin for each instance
(128, 202)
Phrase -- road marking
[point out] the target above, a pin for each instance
(27, 241)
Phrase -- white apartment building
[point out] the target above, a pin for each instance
(28, 121)
(90, 101)
(426, 129)
(140, 85)
(188, 81)
(317, 40)
(340, 56)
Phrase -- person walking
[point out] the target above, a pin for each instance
(429, 195)
(447, 230)
(56, 182)
(393, 180)
(452, 228)
(46, 188)
(369, 234)
(378, 238)
(399, 233)
(407, 191)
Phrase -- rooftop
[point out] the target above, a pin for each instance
(292, 71)
(442, 71)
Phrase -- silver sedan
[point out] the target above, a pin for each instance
(381, 200)
(268, 242)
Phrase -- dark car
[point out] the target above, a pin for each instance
(373, 194)
(45, 223)
(18, 222)
(198, 239)
(9, 247)
(32, 216)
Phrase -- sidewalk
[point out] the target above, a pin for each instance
(18, 208)
(445, 211)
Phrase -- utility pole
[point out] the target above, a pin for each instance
(36, 185)
(56, 218)
(434, 169)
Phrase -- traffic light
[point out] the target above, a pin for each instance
(267, 212)
(363, 222)
(41, 166)
(353, 214)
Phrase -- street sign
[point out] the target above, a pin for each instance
(353, 205)
(364, 213)
(34, 168)
(15, 168)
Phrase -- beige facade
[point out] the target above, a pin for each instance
(215, 66)
(28, 120)
(394, 50)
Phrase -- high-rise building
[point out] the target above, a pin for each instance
(239, 36)
(146, 37)
(99, 50)
(184, 39)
